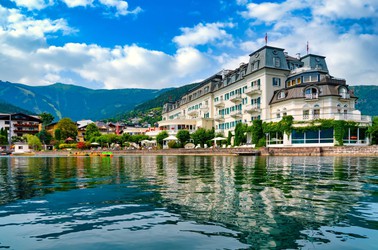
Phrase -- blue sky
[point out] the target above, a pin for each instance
(164, 43)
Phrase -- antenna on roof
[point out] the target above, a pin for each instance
(307, 48)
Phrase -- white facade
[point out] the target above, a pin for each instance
(269, 87)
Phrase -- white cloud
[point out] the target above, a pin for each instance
(354, 9)
(77, 3)
(122, 7)
(25, 57)
(203, 34)
(270, 12)
(34, 4)
(350, 49)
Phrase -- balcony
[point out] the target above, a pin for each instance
(252, 108)
(219, 118)
(205, 108)
(252, 90)
(237, 98)
(344, 97)
(193, 112)
(236, 114)
(25, 125)
(220, 103)
(311, 97)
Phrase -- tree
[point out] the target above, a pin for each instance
(257, 131)
(33, 142)
(229, 137)
(44, 136)
(58, 134)
(46, 119)
(203, 136)
(240, 138)
(91, 131)
(373, 131)
(68, 128)
(183, 136)
(160, 137)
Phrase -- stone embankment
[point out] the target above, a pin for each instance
(287, 151)
(319, 151)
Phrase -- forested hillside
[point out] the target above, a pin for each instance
(367, 99)
(9, 108)
(63, 100)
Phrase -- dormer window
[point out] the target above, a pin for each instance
(277, 62)
(281, 95)
(343, 92)
(255, 65)
(311, 93)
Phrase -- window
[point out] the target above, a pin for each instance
(306, 114)
(281, 95)
(278, 113)
(311, 93)
(277, 62)
(255, 65)
(343, 92)
(276, 81)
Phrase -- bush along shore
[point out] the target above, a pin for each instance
(292, 151)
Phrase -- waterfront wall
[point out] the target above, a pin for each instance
(312, 151)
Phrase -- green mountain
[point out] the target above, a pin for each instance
(367, 99)
(9, 108)
(62, 100)
(150, 111)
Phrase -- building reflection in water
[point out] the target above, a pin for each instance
(266, 199)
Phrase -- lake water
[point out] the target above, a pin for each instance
(189, 202)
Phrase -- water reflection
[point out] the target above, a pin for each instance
(220, 201)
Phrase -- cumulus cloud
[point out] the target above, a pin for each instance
(26, 57)
(271, 12)
(122, 7)
(34, 4)
(203, 34)
(351, 49)
(77, 3)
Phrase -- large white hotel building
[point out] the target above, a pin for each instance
(271, 85)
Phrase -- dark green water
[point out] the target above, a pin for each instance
(189, 202)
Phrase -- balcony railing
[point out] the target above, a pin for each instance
(236, 98)
(193, 112)
(236, 114)
(345, 96)
(252, 90)
(252, 108)
(219, 118)
(220, 103)
(309, 97)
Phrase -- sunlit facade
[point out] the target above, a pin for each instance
(271, 85)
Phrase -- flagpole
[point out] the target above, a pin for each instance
(266, 38)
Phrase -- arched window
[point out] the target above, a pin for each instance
(343, 92)
(311, 93)
(284, 112)
(338, 108)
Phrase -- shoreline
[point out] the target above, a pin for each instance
(284, 151)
